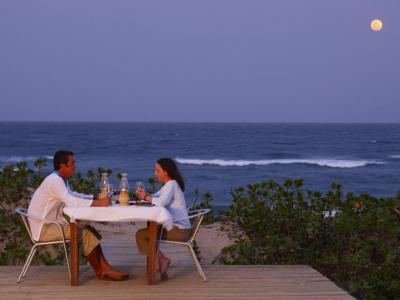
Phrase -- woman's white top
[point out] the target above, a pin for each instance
(171, 197)
(49, 200)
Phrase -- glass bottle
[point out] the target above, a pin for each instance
(104, 184)
(123, 190)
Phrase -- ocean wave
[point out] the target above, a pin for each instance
(332, 163)
(15, 159)
(394, 156)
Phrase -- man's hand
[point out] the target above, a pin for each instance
(100, 202)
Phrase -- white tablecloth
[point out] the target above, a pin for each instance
(118, 213)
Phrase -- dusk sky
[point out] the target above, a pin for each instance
(200, 61)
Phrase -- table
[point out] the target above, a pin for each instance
(153, 215)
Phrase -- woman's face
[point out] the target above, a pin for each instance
(160, 174)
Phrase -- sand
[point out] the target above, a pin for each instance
(210, 239)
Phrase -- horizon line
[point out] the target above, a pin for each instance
(198, 122)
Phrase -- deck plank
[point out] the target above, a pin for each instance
(296, 282)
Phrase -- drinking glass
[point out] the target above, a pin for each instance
(110, 190)
(104, 183)
(139, 186)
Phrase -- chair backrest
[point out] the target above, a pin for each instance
(397, 210)
(196, 216)
(24, 215)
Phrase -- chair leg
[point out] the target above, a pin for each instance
(26, 265)
(66, 257)
(30, 260)
(196, 262)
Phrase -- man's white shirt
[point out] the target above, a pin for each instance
(49, 200)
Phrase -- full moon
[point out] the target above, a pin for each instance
(376, 25)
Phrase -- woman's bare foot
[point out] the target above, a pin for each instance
(164, 264)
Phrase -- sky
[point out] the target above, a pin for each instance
(199, 61)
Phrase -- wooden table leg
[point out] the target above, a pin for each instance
(151, 267)
(147, 258)
(74, 255)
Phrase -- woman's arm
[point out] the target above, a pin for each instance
(164, 196)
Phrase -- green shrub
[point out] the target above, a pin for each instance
(353, 240)
(17, 183)
(14, 192)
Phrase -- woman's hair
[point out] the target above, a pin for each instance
(169, 166)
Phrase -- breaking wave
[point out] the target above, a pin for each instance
(15, 159)
(332, 163)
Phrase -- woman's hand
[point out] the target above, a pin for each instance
(140, 193)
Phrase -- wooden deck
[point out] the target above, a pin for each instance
(224, 282)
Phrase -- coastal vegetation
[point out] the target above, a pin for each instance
(352, 239)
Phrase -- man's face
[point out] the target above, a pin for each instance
(68, 170)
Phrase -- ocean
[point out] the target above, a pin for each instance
(217, 157)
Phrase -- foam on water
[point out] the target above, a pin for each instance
(15, 159)
(317, 153)
(332, 163)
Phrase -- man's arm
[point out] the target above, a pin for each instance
(79, 195)
(60, 191)
(82, 196)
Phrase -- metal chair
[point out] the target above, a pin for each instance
(25, 216)
(197, 217)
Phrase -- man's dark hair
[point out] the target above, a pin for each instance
(61, 157)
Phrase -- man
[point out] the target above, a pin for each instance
(48, 202)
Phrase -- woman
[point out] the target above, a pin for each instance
(171, 197)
